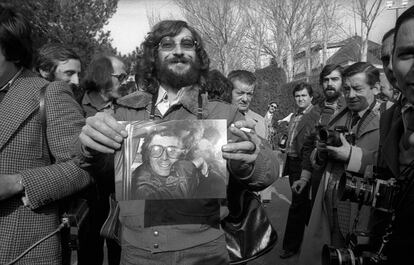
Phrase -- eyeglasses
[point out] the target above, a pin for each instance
(168, 44)
(121, 77)
(172, 151)
(274, 106)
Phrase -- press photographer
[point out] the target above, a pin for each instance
(348, 143)
(397, 142)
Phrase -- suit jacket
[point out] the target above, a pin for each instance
(364, 153)
(400, 247)
(24, 151)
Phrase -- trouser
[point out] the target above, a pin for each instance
(91, 250)
(299, 210)
(211, 253)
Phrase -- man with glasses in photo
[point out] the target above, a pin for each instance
(175, 66)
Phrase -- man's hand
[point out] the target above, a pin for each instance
(102, 133)
(10, 185)
(247, 147)
(299, 185)
(342, 152)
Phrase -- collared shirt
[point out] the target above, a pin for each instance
(163, 103)
(292, 131)
(93, 102)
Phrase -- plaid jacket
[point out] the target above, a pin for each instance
(23, 151)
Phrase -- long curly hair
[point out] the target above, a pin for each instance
(146, 67)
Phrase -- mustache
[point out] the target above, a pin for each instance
(178, 59)
(330, 88)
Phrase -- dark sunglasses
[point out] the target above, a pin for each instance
(274, 106)
(121, 77)
(168, 44)
(172, 151)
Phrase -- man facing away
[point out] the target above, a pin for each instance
(30, 184)
(244, 84)
(177, 231)
(56, 62)
(300, 125)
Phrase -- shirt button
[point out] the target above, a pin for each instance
(155, 245)
(156, 233)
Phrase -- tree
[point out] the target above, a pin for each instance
(76, 23)
(367, 12)
(222, 25)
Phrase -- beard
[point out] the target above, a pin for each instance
(178, 79)
(331, 94)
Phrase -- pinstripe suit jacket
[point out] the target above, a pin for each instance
(23, 151)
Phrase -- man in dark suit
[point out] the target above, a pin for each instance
(301, 124)
(396, 140)
(30, 184)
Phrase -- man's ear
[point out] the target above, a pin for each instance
(44, 74)
(377, 88)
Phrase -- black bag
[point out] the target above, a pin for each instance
(249, 232)
(112, 226)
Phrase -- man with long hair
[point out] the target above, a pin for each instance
(174, 68)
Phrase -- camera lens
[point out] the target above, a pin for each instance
(338, 256)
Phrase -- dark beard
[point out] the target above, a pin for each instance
(332, 97)
(175, 80)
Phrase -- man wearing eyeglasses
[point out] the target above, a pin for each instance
(174, 68)
(104, 83)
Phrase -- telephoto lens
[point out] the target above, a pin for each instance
(338, 256)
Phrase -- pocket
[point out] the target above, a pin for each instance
(131, 214)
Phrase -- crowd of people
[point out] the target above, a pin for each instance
(60, 129)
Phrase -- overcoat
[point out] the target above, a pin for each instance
(363, 154)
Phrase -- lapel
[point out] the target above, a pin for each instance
(20, 101)
(390, 146)
(303, 121)
(370, 123)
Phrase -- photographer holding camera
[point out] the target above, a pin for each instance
(348, 143)
(397, 142)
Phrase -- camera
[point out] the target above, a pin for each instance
(370, 191)
(350, 256)
(331, 137)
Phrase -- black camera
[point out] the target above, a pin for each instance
(331, 137)
(370, 191)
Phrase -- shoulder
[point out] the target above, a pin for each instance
(136, 100)
(222, 110)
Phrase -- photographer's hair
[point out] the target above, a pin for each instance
(15, 37)
(328, 69)
(372, 74)
(243, 76)
(388, 34)
(301, 86)
(146, 66)
(218, 87)
(49, 56)
(406, 15)
(164, 133)
(98, 75)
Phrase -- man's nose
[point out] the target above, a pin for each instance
(244, 97)
(164, 155)
(352, 93)
(178, 49)
(74, 79)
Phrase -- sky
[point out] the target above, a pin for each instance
(129, 24)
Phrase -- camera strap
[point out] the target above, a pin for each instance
(346, 111)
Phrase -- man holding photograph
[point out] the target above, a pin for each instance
(175, 66)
